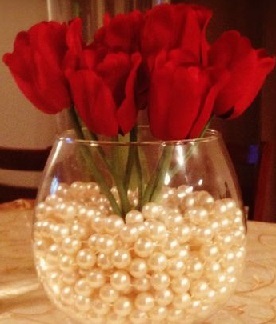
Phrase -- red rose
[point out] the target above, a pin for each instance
(36, 65)
(247, 69)
(181, 97)
(182, 26)
(103, 87)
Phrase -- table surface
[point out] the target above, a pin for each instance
(22, 299)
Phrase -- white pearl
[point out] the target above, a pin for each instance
(141, 284)
(199, 289)
(180, 284)
(82, 287)
(86, 259)
(160, 281)
(105, 243)
(194, 268)
(96, 278)
(157, 231)
(97, 223)
(92, 241)
(134, 216)
(67, 295)
(53, 253)
(69, 278)
(121, 258)
(144, 301)
(59, 231)
(170, 246)
(198, 215)
(182, 233)
(129, 233)
(176, 267)
(182, 300)
(175, 315)
(120, 280)
(104, 261)
(79, 230)
(71, 245)
(113, 224)
(157, 261)
(67, 263)
(151, 211)
(100, 307)
(83, 303)
(138, 268)
(143, 247)
(138, 317)
(164, 297)
(209, 251)
(123, 306)
(108, 293)
(158, 313)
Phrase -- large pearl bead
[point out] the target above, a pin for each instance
(108, 293)
(86, 259)
(157, 261)
(71, 245)
(143, 247)
(96, 278)
(82, 287)
(160, 281)
(120, 280)
(123, 306)
(144, 301)
(164, 297)
(138, 268)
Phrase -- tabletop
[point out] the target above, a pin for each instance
(23, 301)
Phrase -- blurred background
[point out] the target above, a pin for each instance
(251, 139)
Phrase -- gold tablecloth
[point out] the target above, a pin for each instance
(22, 299)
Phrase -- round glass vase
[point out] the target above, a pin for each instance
(139, 232)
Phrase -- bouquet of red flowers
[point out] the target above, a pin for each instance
(159, 60)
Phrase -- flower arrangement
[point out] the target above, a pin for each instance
(158, 61)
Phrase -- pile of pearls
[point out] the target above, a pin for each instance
(173, 262)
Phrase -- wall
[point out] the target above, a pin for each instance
(21, 125)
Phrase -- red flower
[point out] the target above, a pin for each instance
(181, 97)
(247, 69)
(36, 65)
(103, 87)
(182, 26)
(121, 33)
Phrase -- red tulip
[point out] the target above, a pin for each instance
(36, 65)
(247, 69)
(182, 26)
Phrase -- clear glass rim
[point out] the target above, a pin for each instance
(69, 136)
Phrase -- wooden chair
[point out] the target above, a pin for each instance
(253, 165)
(17, 159)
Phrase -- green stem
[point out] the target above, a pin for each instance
(92, 166)
(154, 185)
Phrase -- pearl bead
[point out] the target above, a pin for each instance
(182, 300)
(199, 289)
(69, 278)
(180, 284)
(97, 223)
(83, 303)
(129, 233)
(143, 247)
(138, 268)
(108, 293)
(141, 284)
(160, 281)
(195, 268)
(144, 301)
(53, 254)
(99, 307)
(82, 287)
(105, 243)
(158, 313)
(209, 251)
(92, 241)
(79, 230)
(71, 245)
(113, 224)
(175, 315)
(157, 231)
(138, 317)
(151, 210)
(170, 246)
(122, 306)
(96, 278)
(163, 297)
(120, 280)
(134, 216)
(67, 263)
(121, 258)
(59, 231)
(67, 295)
(157, 261)
(86, 258)
(176, 267)
(182, 233)
(104, 261)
